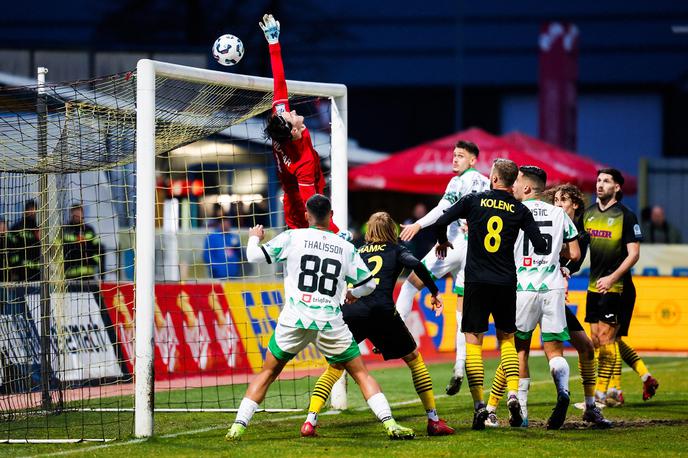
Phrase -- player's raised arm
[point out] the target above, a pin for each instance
(271, 30)
(456, 211)
(409, 231)
(275, 250)
(408, 260)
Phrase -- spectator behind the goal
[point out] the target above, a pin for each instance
(82, 249)
(222, 252)
(657, 229)
(24, 244)
(298, 163)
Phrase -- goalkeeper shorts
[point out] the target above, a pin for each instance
(336, 344)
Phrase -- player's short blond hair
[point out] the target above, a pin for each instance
(381, 229)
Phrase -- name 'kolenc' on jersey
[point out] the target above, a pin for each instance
(326, 247)
(497, 204)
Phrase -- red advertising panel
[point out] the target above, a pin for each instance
(195, 333)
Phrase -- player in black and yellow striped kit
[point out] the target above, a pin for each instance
(494, 220)
(614, 249)
(374, 317)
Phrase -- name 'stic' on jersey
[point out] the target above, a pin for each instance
(540, 271)
(319, 264)
(470, 181)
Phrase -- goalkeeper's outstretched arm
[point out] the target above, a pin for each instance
(271, 30)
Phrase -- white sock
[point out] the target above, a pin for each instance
(559, 369)
(432, 415)
(312, 418)
(523, 387)
(590, 401)
(491, 408)
(644, 377)
(380, 407)
(460, 364)
(246, 410)
(405, 300)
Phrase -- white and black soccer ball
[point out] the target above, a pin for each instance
(228, 50)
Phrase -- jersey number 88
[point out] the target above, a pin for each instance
(326, 282)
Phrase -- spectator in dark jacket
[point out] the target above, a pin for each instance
(82, 251)
(24, 245)
(658, 230)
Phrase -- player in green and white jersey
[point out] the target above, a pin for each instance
(467, 181)
(541, 290)
(318, 266)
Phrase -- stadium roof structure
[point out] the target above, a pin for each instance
(581, 169)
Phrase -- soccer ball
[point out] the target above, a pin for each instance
(228, 50)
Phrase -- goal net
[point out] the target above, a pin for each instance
(125, 203)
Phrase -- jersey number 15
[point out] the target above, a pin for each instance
(547, 237)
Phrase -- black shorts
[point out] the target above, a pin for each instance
(603, 307)
(572, 321)
(627, 305)
(482, 299)
(387, 332)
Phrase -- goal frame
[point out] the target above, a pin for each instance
(144, 262)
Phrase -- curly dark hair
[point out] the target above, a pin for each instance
(572, 192)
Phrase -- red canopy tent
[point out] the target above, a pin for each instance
(581, 170)
(426, 169)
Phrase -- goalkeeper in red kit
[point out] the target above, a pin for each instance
(298, 163)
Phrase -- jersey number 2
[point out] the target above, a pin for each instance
(328, 269)
(377, 260)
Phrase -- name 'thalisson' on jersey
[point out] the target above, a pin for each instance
(539, 271)
(319, 264)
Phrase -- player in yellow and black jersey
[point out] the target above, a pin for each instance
(614, 249)
(494, 220)
(375, 318)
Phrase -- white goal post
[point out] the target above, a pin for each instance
(146, 73)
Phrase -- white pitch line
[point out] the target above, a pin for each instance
(293, 417)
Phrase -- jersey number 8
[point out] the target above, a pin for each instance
(326, 282)
(493, 239)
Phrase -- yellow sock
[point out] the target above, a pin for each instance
(323, 387)
(498, 388)
(605, 366)
(509, 362)
(615, 381)
(631, 358)
(422, 382)
(588, 371)
(475, 371)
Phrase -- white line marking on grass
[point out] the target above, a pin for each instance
(292, 417)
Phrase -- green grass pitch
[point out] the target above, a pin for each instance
(655, 428)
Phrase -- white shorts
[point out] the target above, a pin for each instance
(453, 263)
(548, 309)
(336, 344)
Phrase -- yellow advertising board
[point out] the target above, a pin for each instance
(660, 316)
(255, 307)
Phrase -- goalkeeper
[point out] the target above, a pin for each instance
(298, 163)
